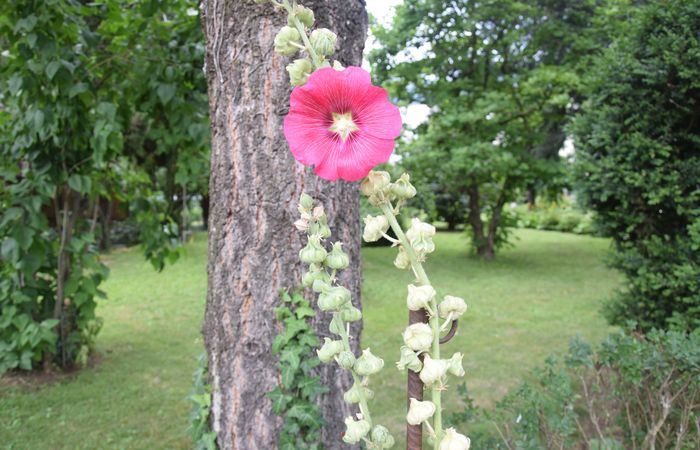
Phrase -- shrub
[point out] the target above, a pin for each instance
(635, 392)
(638, 164)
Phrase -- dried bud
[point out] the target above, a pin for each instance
(284, 39)
(337, 258)
(337, 66)
(350, 313)
(455, 365)
(299, 71)
(402, 188)
(346, 359)
(454, 441)
(402, 261)
(418, 337)
(419, 412)
(419, 297)
(409, 360)
(433, 370)
(329, 349)
(368, 364)
(353, 394)
(313, 252)
(375, 226)
(302, 225)
(452, 305)
(355, 430)
(305, 16)
(420, 235)
(375, 185)
(381, 437)
(323, 41)
(333, 299)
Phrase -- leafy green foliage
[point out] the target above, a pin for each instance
(70, 97)
(634, 392)
(638, 164)
(203, 438)
(501, 80)
(294, 398)
(558, 216)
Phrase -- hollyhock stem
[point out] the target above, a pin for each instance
(434, 320)
(364, 407)
(300, 27)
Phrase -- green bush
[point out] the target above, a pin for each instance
(556, 217)
(634, 392)
(638, 164)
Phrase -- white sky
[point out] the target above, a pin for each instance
(383, 10)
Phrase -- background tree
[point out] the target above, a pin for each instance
(638, 164)
(500, 78)
(255, 187)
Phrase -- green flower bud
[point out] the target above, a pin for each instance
(353, 394)
(305, 16)
(336, 326)
(419, 297)
(284, 39)
(419, 412)
(329, 349)
(368, 364)
(418, 337)
(454, 306)
(306, 202)
(402, 188)
(299, 71)
(455, 365)
(320, 227)
(381, 437)
(351, 314)
(346, 359)
(375, 226)
(323, 41)
(402, 261)
(315, 273)
(355, 430)
(409, 360)
(321, 284)
(333, 299)
(337, 258)
(313, 252)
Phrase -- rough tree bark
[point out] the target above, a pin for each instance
(254, 187)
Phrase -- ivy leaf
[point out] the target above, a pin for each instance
(279, 400)
(306, 416)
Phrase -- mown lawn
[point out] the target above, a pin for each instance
(523, 306)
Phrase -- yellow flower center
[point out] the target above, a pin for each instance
(343, 125)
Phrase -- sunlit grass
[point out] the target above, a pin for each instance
(523, 305)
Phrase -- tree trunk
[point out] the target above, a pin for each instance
(254, 188)
(477, 225)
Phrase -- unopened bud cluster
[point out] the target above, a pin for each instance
(294, 39)
(324, 261)
(421, 350)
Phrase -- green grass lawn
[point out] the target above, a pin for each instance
(524, 305)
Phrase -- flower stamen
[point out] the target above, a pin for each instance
(343, 125)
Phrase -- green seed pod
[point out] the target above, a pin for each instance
(320, 227)
(305, 16)
(284, 39)
(402, 188)
(351, 314)
(409, 360)
(299, 71)
(375, 183)
(355, 430)
(320, 285)
(368, 364)
(337, 258)
(353, 394)
(381, 437)
(306, 202)
(314, 274)
(336, 326)
(333, 299)
(323, 41)
(313, 252)
(346, 359)
(329, 349)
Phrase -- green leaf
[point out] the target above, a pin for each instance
(77, 89)
(52, 68)
(166, 92)
(9, 249)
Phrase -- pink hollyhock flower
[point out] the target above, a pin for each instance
(341, 124)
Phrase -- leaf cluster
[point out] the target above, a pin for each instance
(299, 387)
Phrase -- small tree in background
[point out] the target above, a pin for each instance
(638, 164)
